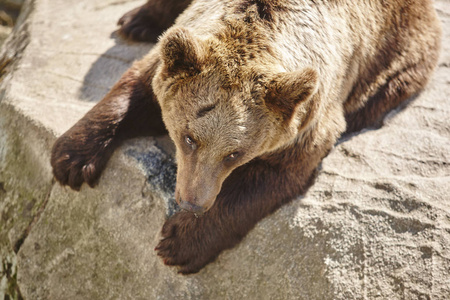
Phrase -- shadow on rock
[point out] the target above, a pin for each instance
(110, 66)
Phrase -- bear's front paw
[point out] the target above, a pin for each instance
(138, 25)
(75, 162)
(187, 243)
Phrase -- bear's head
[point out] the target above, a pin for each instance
(222, 112)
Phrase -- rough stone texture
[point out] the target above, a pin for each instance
(375, 225)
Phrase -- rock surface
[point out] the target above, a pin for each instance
(375, 225)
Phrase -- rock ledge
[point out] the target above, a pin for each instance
(376, 223)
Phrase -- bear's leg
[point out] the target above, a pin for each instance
(249, 194)
(397, 89)
(127, 111)
(403, 83)
(147, 22)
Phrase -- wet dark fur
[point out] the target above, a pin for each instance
(253, 190)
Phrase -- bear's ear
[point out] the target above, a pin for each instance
(181, 52)
(288, 90)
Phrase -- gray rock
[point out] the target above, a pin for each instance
(376, 223)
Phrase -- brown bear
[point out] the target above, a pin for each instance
(254, 93)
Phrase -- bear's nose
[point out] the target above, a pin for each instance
(191, 207)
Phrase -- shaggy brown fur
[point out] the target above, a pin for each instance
(254, 93)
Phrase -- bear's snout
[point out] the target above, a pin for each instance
(197, 186)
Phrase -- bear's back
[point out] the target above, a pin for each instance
(343, 40)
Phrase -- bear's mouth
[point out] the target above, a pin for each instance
(195, 209)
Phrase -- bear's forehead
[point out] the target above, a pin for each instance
(227, 104)
(213, 113)
(226, 120)
(226, 117)
(226, 129)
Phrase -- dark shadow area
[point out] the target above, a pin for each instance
(9, 12)
(110, 66)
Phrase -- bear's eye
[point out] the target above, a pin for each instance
(232, 156)
(189, 141)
